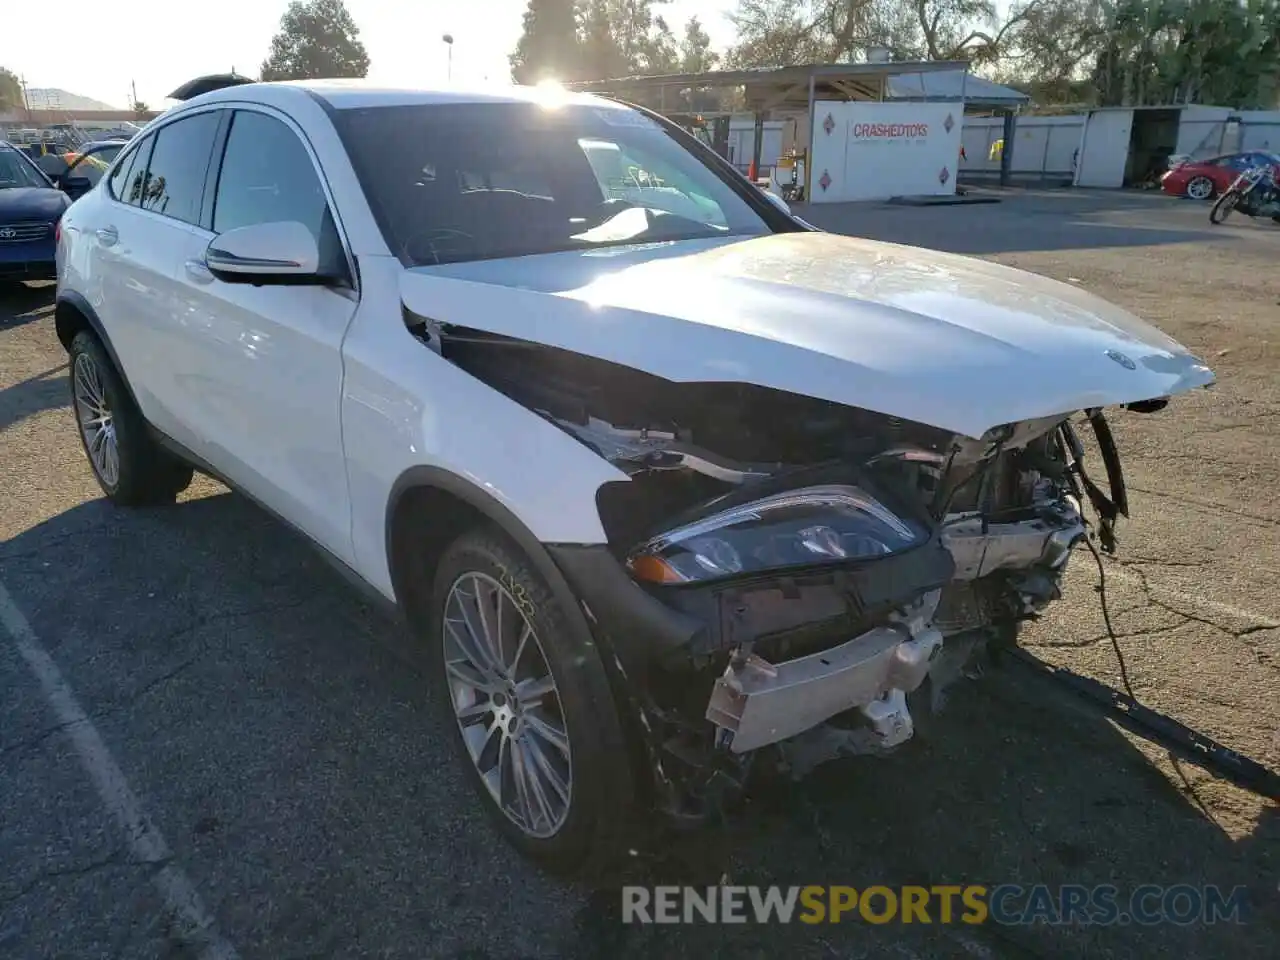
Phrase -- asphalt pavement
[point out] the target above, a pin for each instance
(210, 747)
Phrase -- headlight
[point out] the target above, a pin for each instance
(797, 528)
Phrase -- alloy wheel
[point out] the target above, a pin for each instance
(97, 425)
(507, 704)
(1200, 188)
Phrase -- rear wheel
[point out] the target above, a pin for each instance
(528, 699)
(1223, 207)
(130, 467)
(1199, 188)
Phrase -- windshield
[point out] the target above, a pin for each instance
(455, 182)
(17, 171)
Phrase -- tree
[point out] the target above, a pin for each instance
(625, 38)
(774, 33)
(548, 48)
(601, 53)
(317, 39)
(696, 55)
(141, 109)
(1109, 52)
(1188, 51)
(10, 91)
(597, 39)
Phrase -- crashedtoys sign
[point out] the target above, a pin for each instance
(874, 151)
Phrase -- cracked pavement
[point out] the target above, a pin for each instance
(279, 735)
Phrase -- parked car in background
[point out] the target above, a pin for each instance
(1205, 179)
(87, 164)
(30, 209)
(670, 485)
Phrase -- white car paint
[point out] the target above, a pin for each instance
(316, 403)
(949, 341)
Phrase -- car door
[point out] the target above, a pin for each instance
(262, 379)
(140, 237)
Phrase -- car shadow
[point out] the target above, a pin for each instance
(45, 391)
(1016, 782)
(24, 303)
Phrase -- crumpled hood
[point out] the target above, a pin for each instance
(19, 204)
(954, 342)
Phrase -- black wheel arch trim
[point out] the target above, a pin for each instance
(77, 302)
(586, 579)
(488, 506)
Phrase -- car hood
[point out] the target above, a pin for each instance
(953, 342)
(31, 203)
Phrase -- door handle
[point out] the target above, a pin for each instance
(107, 236)
(198, 271)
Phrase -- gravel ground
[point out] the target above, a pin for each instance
(278, 737)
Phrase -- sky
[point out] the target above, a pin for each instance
(103, 49)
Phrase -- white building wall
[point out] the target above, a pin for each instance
(742, 139)
(1260, 130)
(1202, 132)
(1104, 148)
(1041, 145)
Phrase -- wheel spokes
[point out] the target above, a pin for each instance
(550, 732)
(507, 704)
(97, 425)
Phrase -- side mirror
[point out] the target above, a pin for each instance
(283, 252)
(779, 202)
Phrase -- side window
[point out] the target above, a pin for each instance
(179, 164)
(125, 182)
(266, 177)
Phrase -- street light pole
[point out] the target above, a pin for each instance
(448, 39)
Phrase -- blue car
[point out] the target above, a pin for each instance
(30, 208)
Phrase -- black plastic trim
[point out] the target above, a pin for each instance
(1111, 460)
(641, 628)
(214, 170)
(78, 303)
(508, 522)
(847, 598)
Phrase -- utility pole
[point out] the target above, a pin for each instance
(133, 89)
(26, 103)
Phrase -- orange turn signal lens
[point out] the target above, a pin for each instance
(653, 569)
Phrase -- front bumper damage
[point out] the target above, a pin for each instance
(757, 703)
(804, 667)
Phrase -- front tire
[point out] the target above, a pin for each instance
(529, 706)
(130, 467)
(1223, 207)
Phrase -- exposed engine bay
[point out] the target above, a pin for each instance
(829, 565)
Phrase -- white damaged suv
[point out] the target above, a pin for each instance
(671, 483)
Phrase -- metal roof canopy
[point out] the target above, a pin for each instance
(772, 88)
